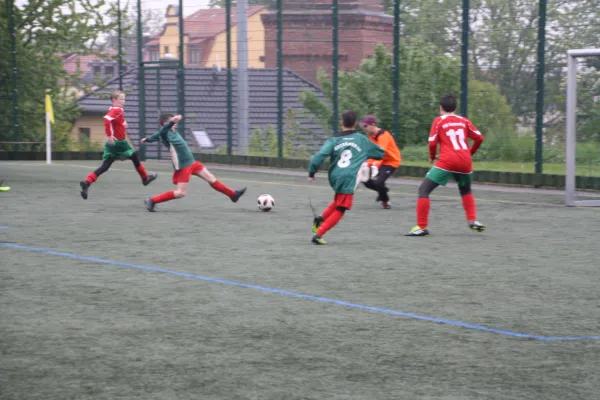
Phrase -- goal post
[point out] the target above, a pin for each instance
(571, 138)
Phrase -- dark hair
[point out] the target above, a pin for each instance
(349, 119)
(448, 102)
(164, 118)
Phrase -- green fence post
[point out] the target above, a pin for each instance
(181, 73)
(119, 45)
(158, 106)
(334, 68)
(396, 79)
(539, 103)
(229, 85)
(279, 80)
(14, 77)
(464, 60)
(141, 80)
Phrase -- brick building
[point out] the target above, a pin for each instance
(307, 34)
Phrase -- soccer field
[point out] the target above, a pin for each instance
(207, 299)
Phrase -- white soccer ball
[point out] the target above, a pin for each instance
(266, 202)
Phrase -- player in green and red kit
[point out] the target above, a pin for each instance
(116, 145)
(348, 151)
(452, 133)
(184, 164)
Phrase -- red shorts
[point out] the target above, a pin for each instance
(343, 200)
(183, 175)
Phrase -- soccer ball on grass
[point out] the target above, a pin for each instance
(266, 202)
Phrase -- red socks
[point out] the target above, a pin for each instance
(161, 198)
(331, 221)
(468, 201)
(142, 171)
(219, 187)
(328, 211)
(91, 178)
(423, 212)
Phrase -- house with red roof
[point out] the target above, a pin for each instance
(205, 38)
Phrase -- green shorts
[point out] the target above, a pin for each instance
(121, 149)
(442, 177)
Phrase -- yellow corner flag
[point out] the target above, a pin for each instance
(49, 109)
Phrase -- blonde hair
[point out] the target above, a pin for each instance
(115, 94)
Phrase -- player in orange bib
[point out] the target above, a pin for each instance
(451, 132)
(382, 169)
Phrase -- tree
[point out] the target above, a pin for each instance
(588, 107)
(152, 23)
(45, 31)
(424, 77)
(504, 38)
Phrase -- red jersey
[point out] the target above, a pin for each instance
(452, 133)
(114, 123)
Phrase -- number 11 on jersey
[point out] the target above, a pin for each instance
(457, 137)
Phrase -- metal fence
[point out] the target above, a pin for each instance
(271, 77)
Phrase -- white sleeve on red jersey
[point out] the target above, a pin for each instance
(113, 113)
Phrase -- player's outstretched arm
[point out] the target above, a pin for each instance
(155, 136)
(317, 160)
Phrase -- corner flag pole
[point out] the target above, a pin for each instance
(49, 119)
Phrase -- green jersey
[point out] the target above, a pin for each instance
(347, 152)
(181, 156)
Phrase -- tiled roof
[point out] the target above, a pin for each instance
(206, 102)
(72, 62)
(208, 23)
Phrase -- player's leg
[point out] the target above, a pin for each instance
(468, 201)
(342, 202)
(93, 176)
(385, 171)
(324, 215)
(181, 177)
(178, 193)
(139, 167)
(434, 178)
(200, 171)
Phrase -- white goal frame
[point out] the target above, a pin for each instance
(570, 147)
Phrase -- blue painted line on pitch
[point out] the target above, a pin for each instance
(305, 296)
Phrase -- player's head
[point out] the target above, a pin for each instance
(369, 123)
(448, 103)
(164, 118)
(348, 120)
(118, 98)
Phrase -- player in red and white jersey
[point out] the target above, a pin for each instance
(116, 146)
(451, 132)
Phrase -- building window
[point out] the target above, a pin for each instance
(153, 55)
(84, 134)
(166, 50)
(110, 71)
(195, 56)
(97, 70)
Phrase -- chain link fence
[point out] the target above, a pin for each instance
(271, 77)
